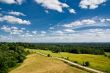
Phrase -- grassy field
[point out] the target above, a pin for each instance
(107, 53)
(99, 62)
(39, 64)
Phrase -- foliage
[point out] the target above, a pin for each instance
(78, 48)
(10, 55)
(75, 62)
(86, 63)
(109, 56)
(48, 55)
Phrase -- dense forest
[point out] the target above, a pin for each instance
(83, 48)
(10, 56)
(79, 48)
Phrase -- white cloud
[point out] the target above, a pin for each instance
(23, 28)
(103, 20)
(54, 5)
(79, 37)
(72, 11)
(12, 19)
(92, 35)
(8, 1)
(108, 19)
(91, 4)
(51, 28)
(58, 32)
(20, 1)
(88, 21)
(46, 11)
(12, 1)
(6, 29)
(99, 30)
(12, 30)
(43, 32)
(16, 31)
(82, 22)
(0, 14)
(34, 32)
(69, 30)
(16, 13)
(27, 35)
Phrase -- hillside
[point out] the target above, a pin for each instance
(98, 62)
(39, 64)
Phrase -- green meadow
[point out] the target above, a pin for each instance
(107, 53)
(99, 62)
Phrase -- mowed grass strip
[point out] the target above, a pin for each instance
(39, 64)
(99, 62)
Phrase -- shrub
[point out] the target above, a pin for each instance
(28, 52)
(108, 56)
(48, 55)
(105, 55)
(86, 63)
(75, 62)
(67, 58)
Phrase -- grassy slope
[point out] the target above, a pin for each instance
(39, 64)
(99, 62)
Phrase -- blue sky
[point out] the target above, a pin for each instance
(55, 21)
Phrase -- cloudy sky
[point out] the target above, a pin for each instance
(54, 20)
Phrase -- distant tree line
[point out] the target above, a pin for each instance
(10, 56)
(78, 48)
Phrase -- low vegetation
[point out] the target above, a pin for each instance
(99, 62)
(107, 54)
(35, 63)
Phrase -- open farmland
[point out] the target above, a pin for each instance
(39, 64)
(99, 62)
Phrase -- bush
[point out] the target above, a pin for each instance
(67, 58)
(48, 55)
(75, 62)
(86, 63)
(108, 56)
(105, 55)
(28, 52)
